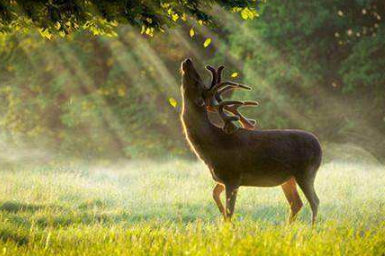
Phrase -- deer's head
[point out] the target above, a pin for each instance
(209, 97)
(193, 87)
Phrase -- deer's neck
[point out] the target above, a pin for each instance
(198, 129)
(195, 119)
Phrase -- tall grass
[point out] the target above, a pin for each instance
(151, 208)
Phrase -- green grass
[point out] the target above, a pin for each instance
(149, 208)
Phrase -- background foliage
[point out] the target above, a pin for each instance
(61, 18)
(316, 65)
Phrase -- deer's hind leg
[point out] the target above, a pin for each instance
(218, 189)
(307, 187)
(290, 190)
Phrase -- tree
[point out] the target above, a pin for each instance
(101, 16)
(104, 89)
(318, 65)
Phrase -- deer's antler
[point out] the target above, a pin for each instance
(219, 73)
(215, 103)
(214, 77)
(232, 107)
(246, 123)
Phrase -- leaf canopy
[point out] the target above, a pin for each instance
(62, 17)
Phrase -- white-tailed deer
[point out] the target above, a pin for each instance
(242, 156)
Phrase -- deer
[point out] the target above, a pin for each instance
(244, 156)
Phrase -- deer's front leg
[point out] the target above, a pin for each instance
(218, 189)
(231, 197)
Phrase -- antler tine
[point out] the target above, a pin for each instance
(250, 103)
(218, 94)
(232, 107)
(212, 95)
(246, 123)
(229, 102)
(227, 88)
(228, 126)
(219, 73)
(223, 104)
(220, 85)
(246, 103)
(214, 75)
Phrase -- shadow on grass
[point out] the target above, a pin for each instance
(23, 215)
(17, 236)
(14, 207)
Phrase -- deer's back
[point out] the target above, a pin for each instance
(264, 157)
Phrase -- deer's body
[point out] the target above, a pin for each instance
(262, 158)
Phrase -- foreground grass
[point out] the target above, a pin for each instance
(148, 208)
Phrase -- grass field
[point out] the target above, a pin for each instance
(149, 208)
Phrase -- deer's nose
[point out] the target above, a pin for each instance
(186, 64)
